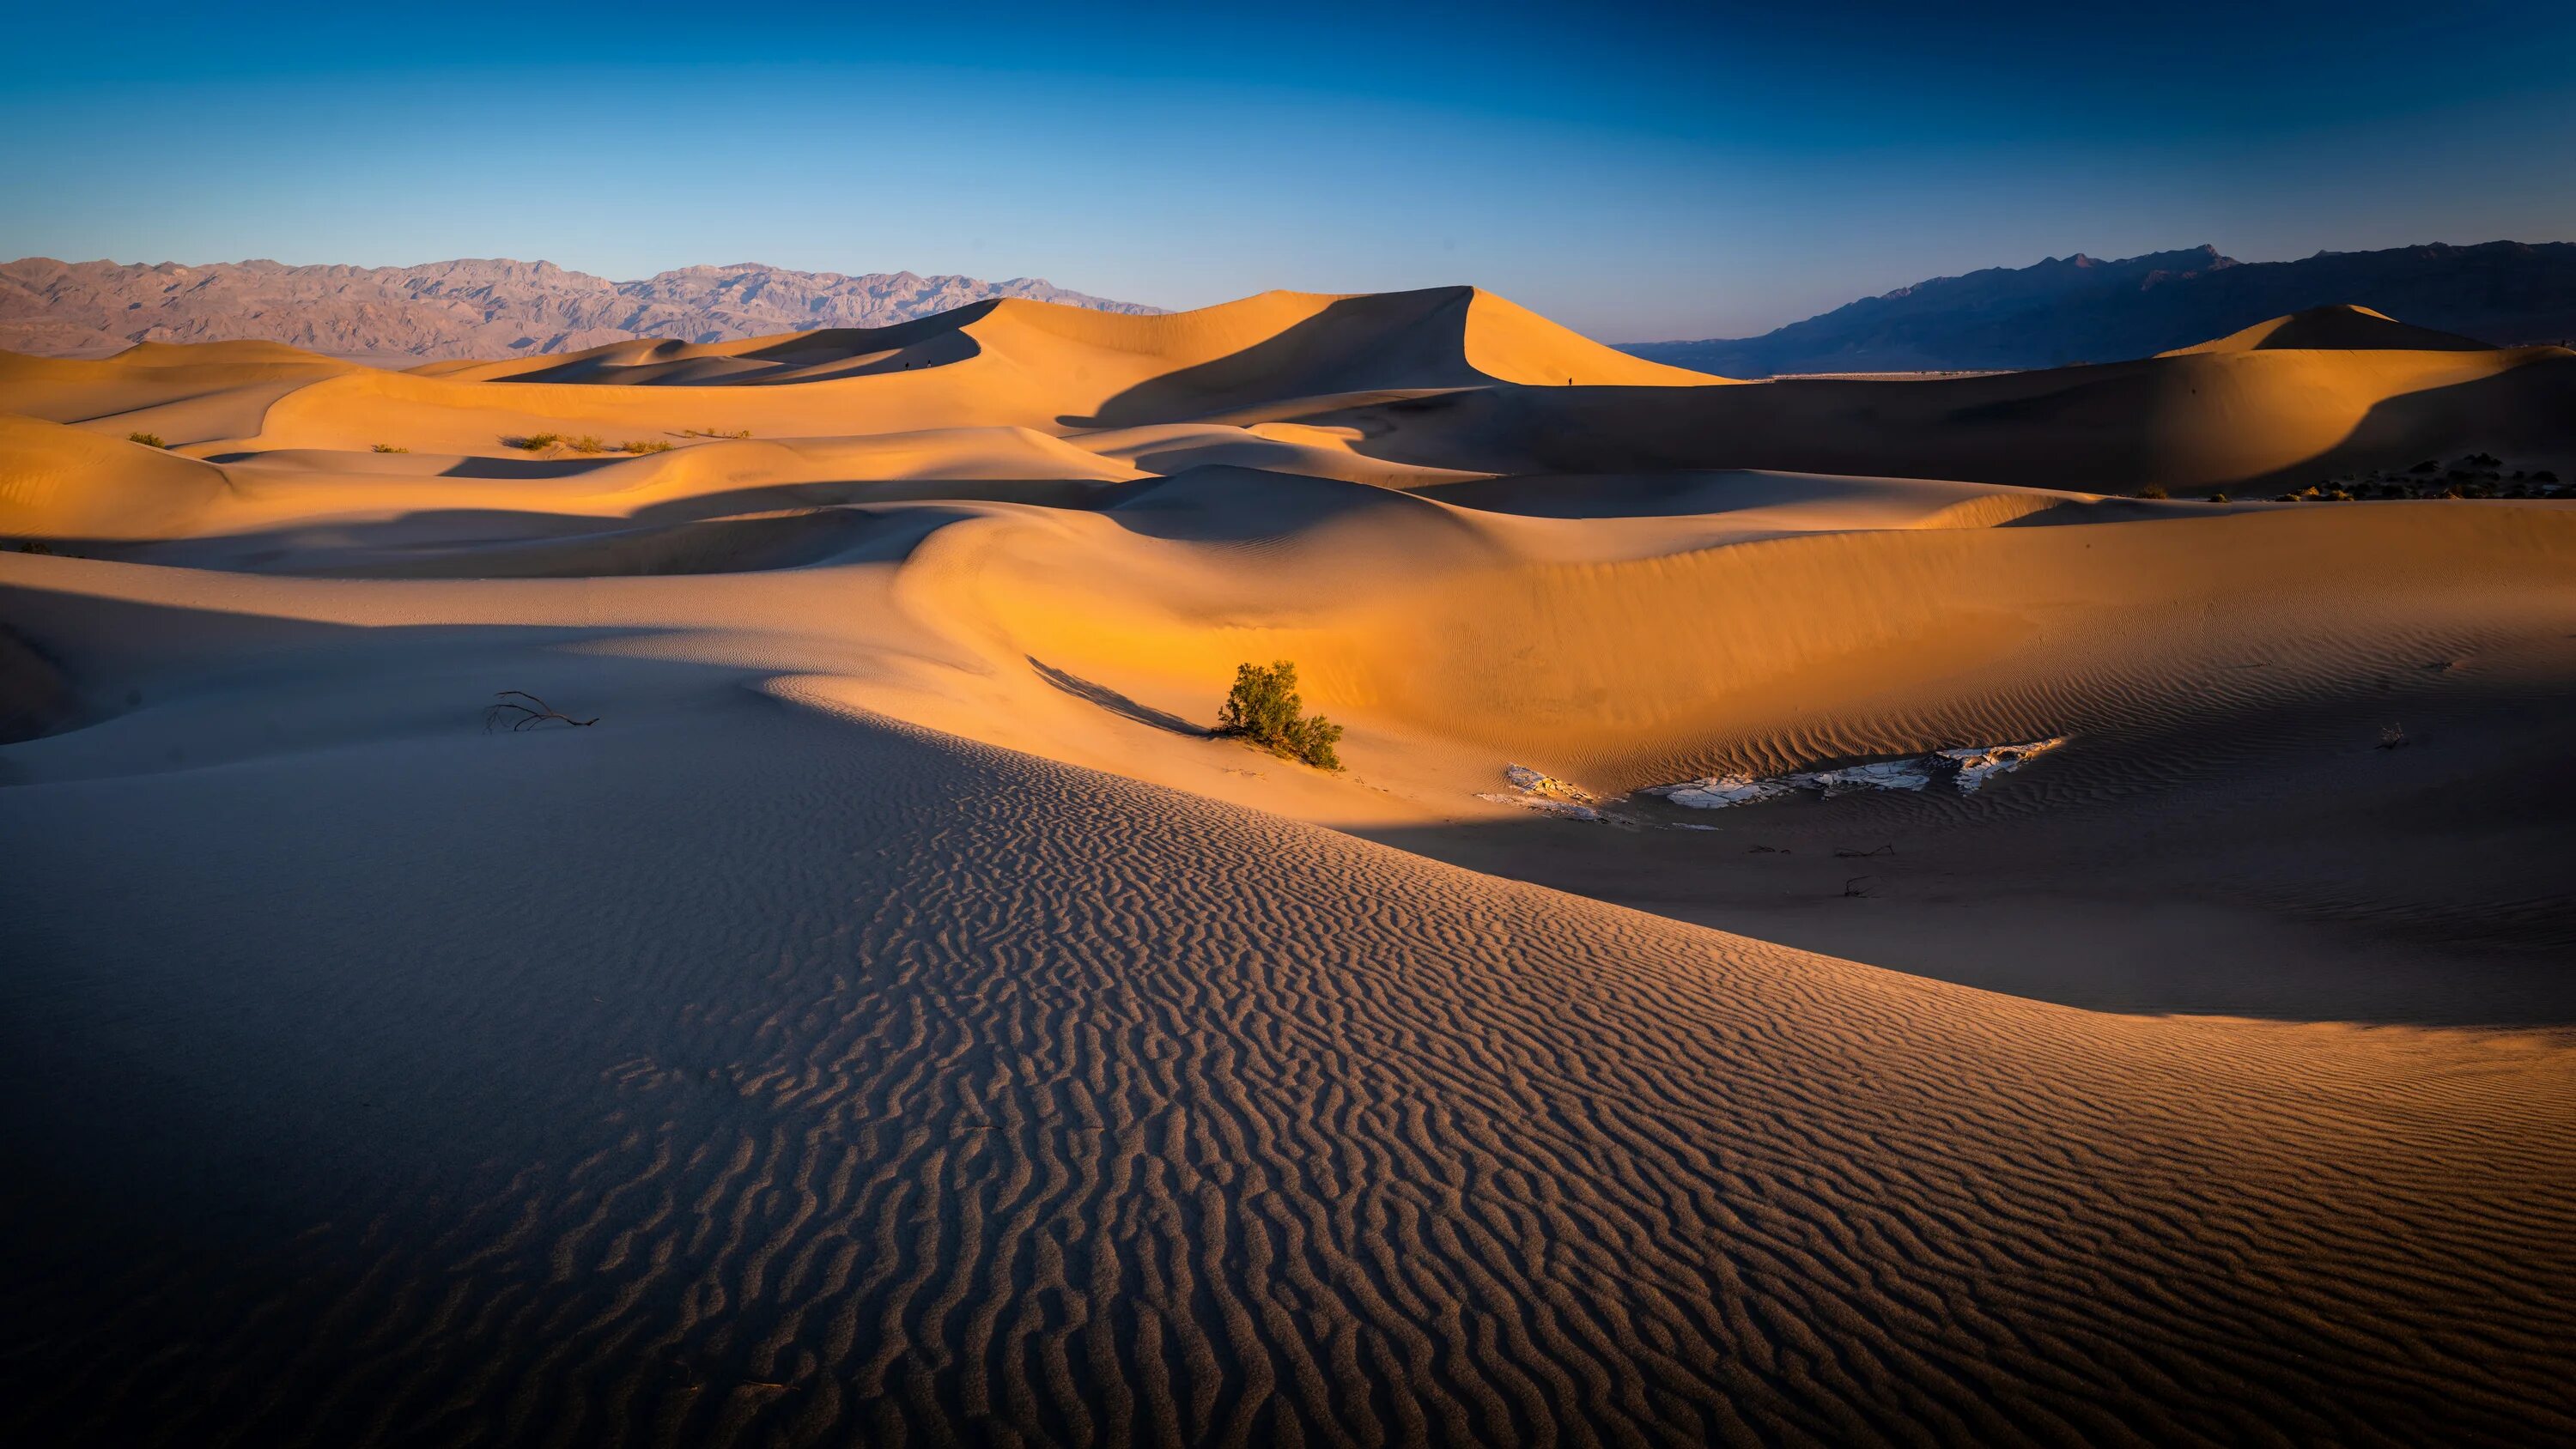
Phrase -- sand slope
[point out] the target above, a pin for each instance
(896, 1020)
(943, 1115)
(2243, 421)
(2335, 329)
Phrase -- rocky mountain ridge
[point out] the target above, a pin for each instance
(479, 308)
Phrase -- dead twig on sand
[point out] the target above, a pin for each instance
(1846, 853)
(519, 716)
(2393, 737)
(1853, 890)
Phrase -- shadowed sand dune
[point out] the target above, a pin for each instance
(947, 1117)
(2336, 329)
(897, 1019)
(2239, 420)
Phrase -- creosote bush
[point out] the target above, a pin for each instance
(654, 445)
(390, 448)
(586, 443)
(535, 442)
(149, 440)
(1265, 709)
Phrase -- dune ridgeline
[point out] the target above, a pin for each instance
(1851, 911)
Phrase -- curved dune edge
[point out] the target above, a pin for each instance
(2341, 328)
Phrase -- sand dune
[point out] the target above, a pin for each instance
(2335, 329)
(2240, 420)
(897, 1018)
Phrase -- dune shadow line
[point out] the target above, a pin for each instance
(1116, 703)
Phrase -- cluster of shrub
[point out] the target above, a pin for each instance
(1265, 708)
(2479, 475)
(579, 443)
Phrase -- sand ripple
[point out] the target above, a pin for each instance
(923, 1092)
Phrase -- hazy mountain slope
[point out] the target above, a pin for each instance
(2081, 309)
(471, 308)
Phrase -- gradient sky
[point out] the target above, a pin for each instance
(1638, 172)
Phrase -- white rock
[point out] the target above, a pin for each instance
(1976, 766)
(1968, 768)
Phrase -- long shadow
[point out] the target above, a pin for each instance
(105, 659)
(344, 548)
(1116, 703)
(2056, 941)
(933, 341)
(2084, 429)
(1394, 340)
(479, 466)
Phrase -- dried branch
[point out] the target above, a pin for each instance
(524, 716)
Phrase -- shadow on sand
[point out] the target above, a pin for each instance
(1116, 703)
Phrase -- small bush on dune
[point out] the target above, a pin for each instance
(1264, 708)
(586, 443)
(390, 448)
(2153, 490)
(2217, 497)
(714, 433)
(149, 440)
(535, 442)
(655, 445)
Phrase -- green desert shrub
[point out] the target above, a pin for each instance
(1264, 708)
(653, 445)
(586, 443)
(390, 448)
(535, 442)
(149, 440)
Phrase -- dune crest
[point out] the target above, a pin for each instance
(2336, 328)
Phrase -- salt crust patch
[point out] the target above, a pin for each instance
(1968, 769)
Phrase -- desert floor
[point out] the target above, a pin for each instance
(898, 1019)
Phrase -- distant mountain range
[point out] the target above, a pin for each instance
(2080, 309)
(480, 309)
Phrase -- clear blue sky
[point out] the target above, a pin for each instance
(1639, 172)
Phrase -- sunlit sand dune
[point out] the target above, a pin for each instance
(870, 1005)
(2336, 328)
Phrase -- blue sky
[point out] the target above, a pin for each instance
(1639, 172)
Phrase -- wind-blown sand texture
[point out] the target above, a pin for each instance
(896, 1020)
